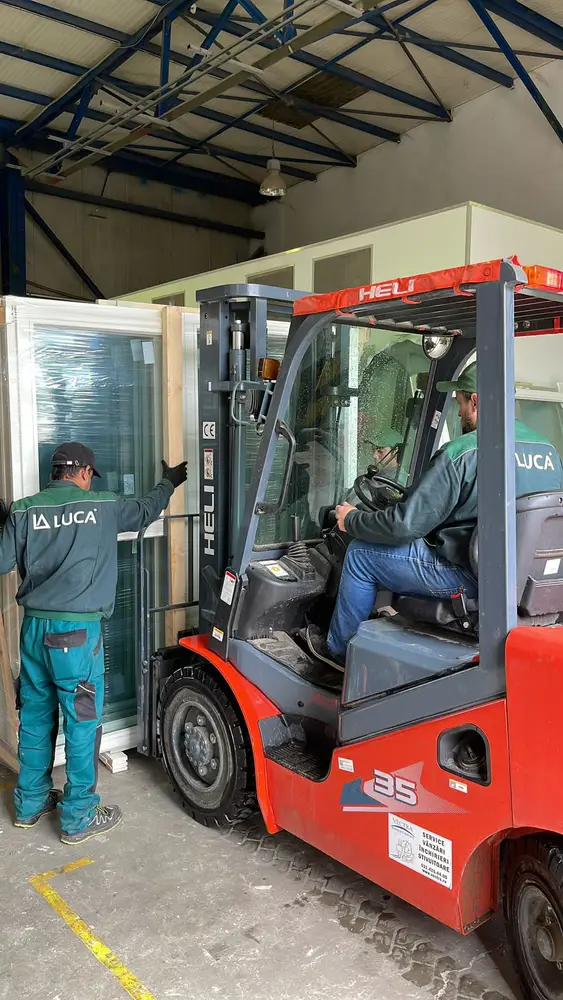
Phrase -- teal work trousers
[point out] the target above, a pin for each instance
(62, 667)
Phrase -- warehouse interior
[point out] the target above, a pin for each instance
(149, 150)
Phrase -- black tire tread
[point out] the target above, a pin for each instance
(244, 802)
(542, 854)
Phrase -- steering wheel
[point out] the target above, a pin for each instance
(378, 492)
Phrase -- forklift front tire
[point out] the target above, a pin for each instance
(533, 904)
(206, 749)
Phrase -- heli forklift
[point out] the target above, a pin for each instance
(432, 763)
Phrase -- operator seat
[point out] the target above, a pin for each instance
(539, 535)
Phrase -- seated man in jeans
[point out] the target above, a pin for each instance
(420, 546)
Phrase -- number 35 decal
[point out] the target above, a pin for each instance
(401, 789)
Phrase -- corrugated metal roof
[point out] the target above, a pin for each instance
(39, 34)
(315, 115)
(126, 15)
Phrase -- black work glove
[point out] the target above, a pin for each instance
(177, 474)
(4, 513)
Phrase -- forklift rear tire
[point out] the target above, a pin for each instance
(534, 914)
(206, 749)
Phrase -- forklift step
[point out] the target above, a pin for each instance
(300, 759)
(299, 744)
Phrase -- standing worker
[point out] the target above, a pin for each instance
(63, 541)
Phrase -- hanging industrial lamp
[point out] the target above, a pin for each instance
(273, 185)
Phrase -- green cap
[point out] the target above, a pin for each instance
(387, 438)
(467, 381)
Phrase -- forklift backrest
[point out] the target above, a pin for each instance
(539, 532)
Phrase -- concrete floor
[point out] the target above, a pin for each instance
(199, 913)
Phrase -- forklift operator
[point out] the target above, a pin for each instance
(420, 546)
(63, 541)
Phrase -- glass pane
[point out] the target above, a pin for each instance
(344, 270)
(538, 368)
(539, 385)
(282, 278)
(104, 390)
(179, 299)
(356, 401)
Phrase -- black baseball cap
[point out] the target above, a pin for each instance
(75, 456)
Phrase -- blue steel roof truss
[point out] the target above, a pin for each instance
(237, 19)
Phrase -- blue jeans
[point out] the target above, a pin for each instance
(414, 570)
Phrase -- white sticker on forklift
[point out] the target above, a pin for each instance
(275, 568)
(345, 764)
(228, 588)
(436, 419)
(208, 338)
(208, 463)
(217, 634)
(551, 567)
(458, 786)
(420, 850)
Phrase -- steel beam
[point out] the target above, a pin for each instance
(283, 138)
(192, 178)
(276, 54)
(8, 126)
(81, 109)
(12, 227)
(349, 120)
(185, 177)
(452, 55)
(65, 17)
(308, 59)
(165, 61)
(62, 250)
(140, 90)
(55, 191)
(528, 20)
(519, 69)
(116, 58)
(290, 30)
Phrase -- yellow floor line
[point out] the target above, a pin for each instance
(126, 979)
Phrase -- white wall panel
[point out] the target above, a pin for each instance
(497, 234)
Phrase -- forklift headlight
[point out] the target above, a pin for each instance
(435, 347)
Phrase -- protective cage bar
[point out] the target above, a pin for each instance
(148, 610)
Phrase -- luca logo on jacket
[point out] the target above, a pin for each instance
(542, 462)
(40, 522)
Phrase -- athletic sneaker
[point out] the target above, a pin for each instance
(316, 641)
(53, 799)
(105, 818)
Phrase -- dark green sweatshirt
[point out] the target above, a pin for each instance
(442, 507)
(64, 543)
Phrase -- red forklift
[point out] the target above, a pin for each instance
(431, 763)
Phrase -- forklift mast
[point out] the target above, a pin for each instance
(234, 394)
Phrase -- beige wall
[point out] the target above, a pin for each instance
(498, 151)
(121, 251)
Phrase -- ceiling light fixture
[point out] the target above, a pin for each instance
(273, 185)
